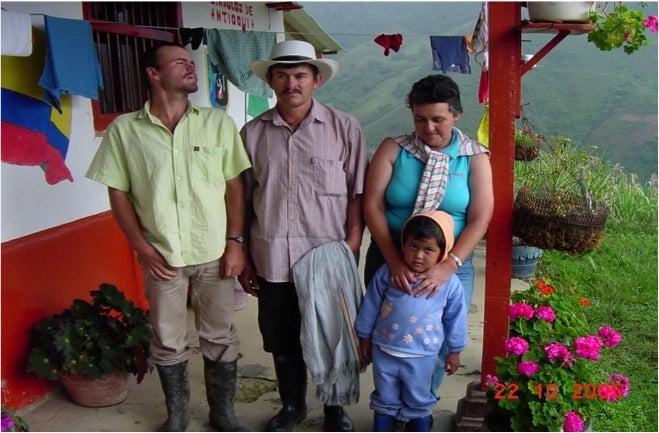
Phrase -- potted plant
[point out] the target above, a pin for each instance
(563, 198)
(525, 259)
(99, 343)
(527, 145)
(620, 27)
(550, 379)
(561, 11)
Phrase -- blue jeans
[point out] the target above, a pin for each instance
(466, 276)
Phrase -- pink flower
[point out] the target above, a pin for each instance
(545, 313)
(608, 392)
(520, 309)
(588, 347)
(528, 368)
(651, 23)
(610, 337)
(557, 351)
(491, 380)
(572, 422)
(621, 382)
(516, 346)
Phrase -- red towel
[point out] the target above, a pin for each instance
(389, 42)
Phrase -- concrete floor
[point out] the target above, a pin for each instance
(144, 408)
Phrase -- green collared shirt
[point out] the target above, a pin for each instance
(176, 182)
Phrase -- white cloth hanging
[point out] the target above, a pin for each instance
(16, 34)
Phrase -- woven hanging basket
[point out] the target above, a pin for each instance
(523, 153)
(96, 391)
(566, 224)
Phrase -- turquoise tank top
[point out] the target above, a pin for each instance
(401, 191)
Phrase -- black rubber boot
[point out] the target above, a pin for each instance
(336, 419)
(174, 381)
(291, 374)
(221, 378)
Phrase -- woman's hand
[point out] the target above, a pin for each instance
(434, 278)
(401, 276)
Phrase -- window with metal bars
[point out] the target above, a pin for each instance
(122, 31)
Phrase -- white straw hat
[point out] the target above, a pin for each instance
(292, 52)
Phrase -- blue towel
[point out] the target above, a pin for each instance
(71, 61)
(232, 51)
(449, 54)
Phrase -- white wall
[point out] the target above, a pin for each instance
(28, 203)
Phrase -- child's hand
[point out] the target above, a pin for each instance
(452, 363)
(365, 348)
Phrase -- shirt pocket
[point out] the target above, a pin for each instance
(329, 177)
(206, 164)
(457, 179)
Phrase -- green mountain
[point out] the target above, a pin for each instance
(603, 99)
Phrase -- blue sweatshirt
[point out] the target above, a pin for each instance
(416, 325)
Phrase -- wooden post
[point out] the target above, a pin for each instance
(505, 77)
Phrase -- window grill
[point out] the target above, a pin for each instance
(121, 32)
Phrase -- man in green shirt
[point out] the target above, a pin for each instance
(173, 174)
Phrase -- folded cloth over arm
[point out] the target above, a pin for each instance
(329, 294)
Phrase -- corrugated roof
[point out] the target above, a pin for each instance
(300, 25)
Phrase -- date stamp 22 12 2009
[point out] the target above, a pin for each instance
(551, 391)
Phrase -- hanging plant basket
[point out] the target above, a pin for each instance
(567, 222)
(106, 390)
(524, 153)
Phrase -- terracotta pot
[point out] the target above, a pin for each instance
(568, 12)
(96, 391)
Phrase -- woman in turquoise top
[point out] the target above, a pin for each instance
(436, 166)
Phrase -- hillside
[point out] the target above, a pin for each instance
(602, 99)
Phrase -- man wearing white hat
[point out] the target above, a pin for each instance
(305, 190)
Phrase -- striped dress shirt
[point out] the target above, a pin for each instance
(300, 185)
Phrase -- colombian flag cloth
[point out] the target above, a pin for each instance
(33, 132)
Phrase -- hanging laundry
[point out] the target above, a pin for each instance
(256, 105)
(480, 39)
(392, 42)
(33, 132)
(16, 34)
(468, 38)
(449, 54)
(483, 131)
(71, 62)
(193, 36)
(231, 52)
(484, 87)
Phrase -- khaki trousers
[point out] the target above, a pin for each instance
(212, 301)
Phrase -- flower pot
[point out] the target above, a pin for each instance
(96, 391)
(568, 12)
(525, 260)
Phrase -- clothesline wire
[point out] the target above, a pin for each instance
(261, 31)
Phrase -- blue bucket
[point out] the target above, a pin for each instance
(525, 260)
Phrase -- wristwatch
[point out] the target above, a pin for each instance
(457, 259)
(239, 239)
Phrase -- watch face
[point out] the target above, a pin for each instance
(238, 239)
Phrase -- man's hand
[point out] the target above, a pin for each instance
(248, 280)
(232, 262)
(155, 263)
